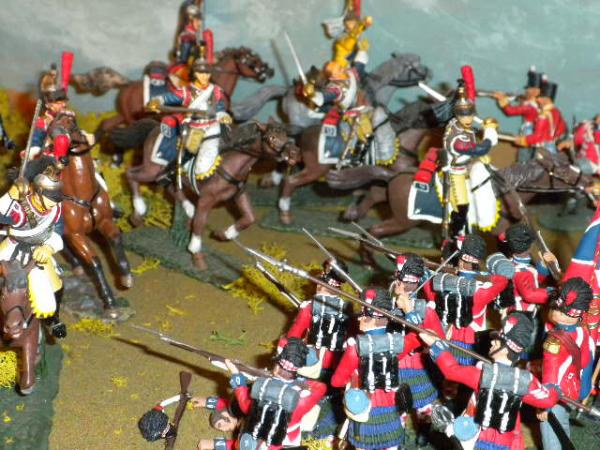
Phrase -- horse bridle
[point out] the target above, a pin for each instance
(571, 187)
(26, 320)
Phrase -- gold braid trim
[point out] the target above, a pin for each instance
(211, 171)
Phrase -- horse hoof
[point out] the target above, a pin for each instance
(78, 271)
(285, 217)
(200, 261)
(127, 281)
(351, 214)
(117, 212)
(27, 390)
(59, 330)
(219, 235)
(266, 182)
(136, 220)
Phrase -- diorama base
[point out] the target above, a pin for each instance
(318, 221)
(316, 194)
(27, 421)
(80, 299)
(157, 243)
(555, 218)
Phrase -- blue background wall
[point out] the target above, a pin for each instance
(500, 38)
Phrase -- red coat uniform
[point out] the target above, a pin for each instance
(57, 144)
(470, 376)
(528, 110)
(566, 353)
(527, 290)
(312, 392)
(587, 142)
(549, 127)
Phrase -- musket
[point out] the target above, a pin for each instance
(185, 378)
(36, 115)
(182, 109)
(436, 271)
(333, 262)
(296, 59)
(280, 287)
(376, 241)
(445, 204)
(491, 94)
(283, 266)
(213, 358)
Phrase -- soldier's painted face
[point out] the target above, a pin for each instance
(561, 318)
(196, 23)
(56, 107)
(532, 93)
(202, 78)
(466, 121)
(350, 24)
(226, 423)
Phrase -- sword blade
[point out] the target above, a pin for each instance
(296, 59)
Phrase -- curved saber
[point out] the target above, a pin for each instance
(295, 57)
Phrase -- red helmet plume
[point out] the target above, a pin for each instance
(207, 36)
(65, 69)
(467, 75)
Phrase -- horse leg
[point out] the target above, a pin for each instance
(111, 232)
(247, 218)
(203, 207)
(29, 344)
(72, 260)
(308, 175)
(145, 173)
(375, 195)
(83, 247)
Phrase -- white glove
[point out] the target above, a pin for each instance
(492, 134)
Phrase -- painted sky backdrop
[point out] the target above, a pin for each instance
(499, 38)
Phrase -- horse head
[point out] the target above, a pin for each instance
(249, 64)
(561, 173)
(276, 142)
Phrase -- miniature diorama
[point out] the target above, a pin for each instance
(340, 242)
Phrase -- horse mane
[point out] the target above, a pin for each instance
(241, 136)
(519, 175)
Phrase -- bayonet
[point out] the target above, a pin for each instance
(296, 59)
(280, 287)
(436, 271)
(333, 262)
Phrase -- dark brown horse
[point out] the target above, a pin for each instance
(232, 64)
(88, 211)
(247, 144)
(546, 174)
(20, 327)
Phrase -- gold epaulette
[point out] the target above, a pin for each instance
(552, 345)
(13, 192)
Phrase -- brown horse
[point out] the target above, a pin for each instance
(88, 209)
(547, 173)
(20, 328)
(232, 64)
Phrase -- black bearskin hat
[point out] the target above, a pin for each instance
(378, 297)
(519, 238)
(153, 424)
(548, 89)
(330, 275)
(293, 355)
(517, 331)
(409, 267)
(474, 246)
(574, 298)
(534, 78)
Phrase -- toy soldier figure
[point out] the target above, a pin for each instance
(203, 124)
(463, 300)
(370, 365)
(567, 354)
(187, 45)
(412, 367)
(323, 322)
(461, 148)
(549, 126)
(526, 294)
(347, 117)
(225, 416)
(32, 209)
(586, 144)
(276, 405)
(527, 107)
(492, 419)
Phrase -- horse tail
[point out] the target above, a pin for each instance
(134, 135)
(98, 81)
(250, 106)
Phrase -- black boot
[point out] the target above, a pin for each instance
(458, 221)
(105, 291)
(53, 324)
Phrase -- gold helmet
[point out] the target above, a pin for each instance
(463, 106)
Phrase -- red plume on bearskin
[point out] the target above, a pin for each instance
(467, 75)
(356, 4)
(65, 69)
(207, 36)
